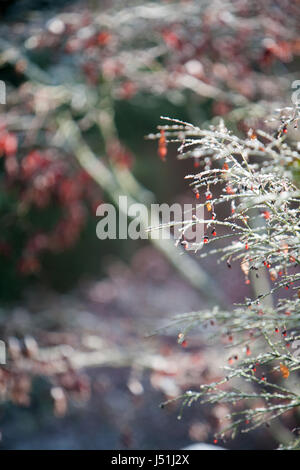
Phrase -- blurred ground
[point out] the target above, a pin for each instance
(135, 373)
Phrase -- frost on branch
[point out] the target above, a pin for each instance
(253, 181)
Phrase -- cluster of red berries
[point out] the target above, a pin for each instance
(44, 179)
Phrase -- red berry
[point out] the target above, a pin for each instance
(162, 146)
(9, 144)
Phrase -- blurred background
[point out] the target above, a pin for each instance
(86, 81)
